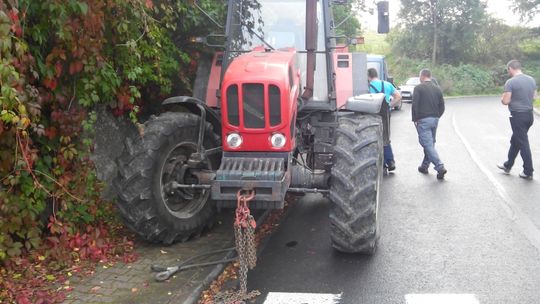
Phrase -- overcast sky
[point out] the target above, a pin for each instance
(498, 8)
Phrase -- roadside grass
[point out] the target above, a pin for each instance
(537, 103)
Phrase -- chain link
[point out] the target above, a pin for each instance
(244, 236)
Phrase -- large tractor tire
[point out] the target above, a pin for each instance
(146, 168)
(355, 182)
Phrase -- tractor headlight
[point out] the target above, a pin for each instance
(234, 140)
(278, 140)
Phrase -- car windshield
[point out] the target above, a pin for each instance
(413, 81)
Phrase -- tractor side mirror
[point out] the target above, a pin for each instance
(384, 17)
(311, 25)
(356, 40)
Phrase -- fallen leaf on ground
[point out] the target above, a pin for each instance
(95, 288)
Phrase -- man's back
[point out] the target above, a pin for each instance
(376, 86)
(427, 101)
(522, 88)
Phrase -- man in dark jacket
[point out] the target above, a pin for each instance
(427, 108)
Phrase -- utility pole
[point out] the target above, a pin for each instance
(435, 36)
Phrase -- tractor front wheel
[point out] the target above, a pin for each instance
(355, 180)
(148, 171)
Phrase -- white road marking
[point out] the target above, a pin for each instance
(524, 223)
(441, 299)
(302, 298)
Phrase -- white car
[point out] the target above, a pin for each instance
(407, 89)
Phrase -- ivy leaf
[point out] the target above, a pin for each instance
(83, 7)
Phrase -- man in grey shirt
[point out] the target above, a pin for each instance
(519, 94)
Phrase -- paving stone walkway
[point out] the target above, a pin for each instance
(135, 282)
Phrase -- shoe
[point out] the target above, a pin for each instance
(503, 167)
(525, 176)
(441, 173)
(391, 165)
(423, 170)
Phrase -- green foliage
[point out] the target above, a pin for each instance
(58, 60)
(447, 26)
(527, 8)
(463, 79)
(345, 17)
(375, 44)
(531, 48)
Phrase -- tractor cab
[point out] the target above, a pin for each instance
(280, 26)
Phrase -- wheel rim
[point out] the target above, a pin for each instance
(182, 203)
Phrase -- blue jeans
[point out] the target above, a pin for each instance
(519, 143)
(427, 131)
(388, 154)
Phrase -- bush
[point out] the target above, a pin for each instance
(463, 79)
(59, 59)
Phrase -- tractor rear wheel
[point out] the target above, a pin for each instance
(148, 202)
(355, 181)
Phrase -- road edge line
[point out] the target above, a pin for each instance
(512, 210)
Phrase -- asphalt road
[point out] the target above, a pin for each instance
(472, 238)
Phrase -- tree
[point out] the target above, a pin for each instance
(496, 43)
(345, 20)
(444, 30)
(527, 8)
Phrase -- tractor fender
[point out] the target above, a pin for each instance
(194, 105)
(365, 103)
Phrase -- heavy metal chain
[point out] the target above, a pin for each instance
(244, 235)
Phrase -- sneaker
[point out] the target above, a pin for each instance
(391, 165)
(441, 173)
(423, 170)
(504, 168)
(525, 176)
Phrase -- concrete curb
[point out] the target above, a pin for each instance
(193, 298)
(470, 96)
(536, 111)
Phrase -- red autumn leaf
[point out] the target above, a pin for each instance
(50, 83)
(14, 15)
(22, 299)
(149, 4)
(58, 69)
(50, 132)
(75, 67)
(78, 66)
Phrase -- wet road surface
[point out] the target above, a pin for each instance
(472, 238)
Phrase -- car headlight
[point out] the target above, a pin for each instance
(234, 140)
(278, 140)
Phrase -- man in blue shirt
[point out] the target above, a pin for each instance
(391, 96)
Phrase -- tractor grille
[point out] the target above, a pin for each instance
(254, 110)
(253, 105)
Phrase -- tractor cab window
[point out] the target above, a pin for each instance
(271, 24)
(277, 24)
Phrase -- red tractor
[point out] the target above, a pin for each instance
(278, 110)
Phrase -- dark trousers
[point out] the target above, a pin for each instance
(385, 115)
(521, 122)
